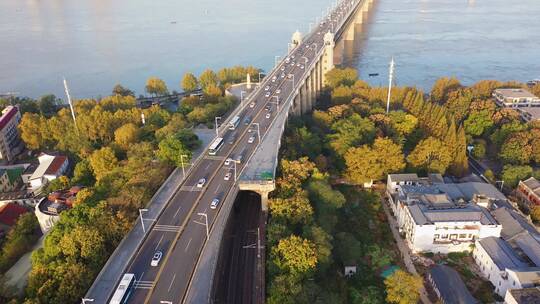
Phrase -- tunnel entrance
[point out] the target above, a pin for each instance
(239, 276)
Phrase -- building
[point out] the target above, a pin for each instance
(9, 213)
(49, 208)
(448, 286)
(50, 167)
(522, 296)
(10, 141)
(515, 98)
(529, 191)
(438, 217)
(529, 113)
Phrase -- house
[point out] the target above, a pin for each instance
(513, 98)
(50, 167)
(10, 141)
(448, 286)
(522, 296)
(9, 213)
(49, 208)
(511, 264)
(529, 191)
(438, 217)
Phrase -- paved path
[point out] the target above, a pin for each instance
(17, 275)
(403, 248)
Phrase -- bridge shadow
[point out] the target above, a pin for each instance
(238, 277)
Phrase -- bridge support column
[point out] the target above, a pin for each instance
(328, 56)
(263, 188)
(296, 104)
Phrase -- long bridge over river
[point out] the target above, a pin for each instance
(179, 221)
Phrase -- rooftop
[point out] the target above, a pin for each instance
(48, 164)
(526, 295)
(515, 93)
(10, 212)
(533, 184)
(501, 253)
(450, 285)
(7, 115)
(512, 223)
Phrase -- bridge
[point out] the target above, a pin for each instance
(179, 221)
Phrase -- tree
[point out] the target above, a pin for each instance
(122, 91)
(511, 175)
(295, 210)
(442, 87)
(83, 174)
(403, 123)
(366, 163)
(479, 150)
(351, 131)
(431, 154)
(127, 135)
(103, 161)
(517, 148)
(171, 150)
(337, 77)
(403, 287)
(342, 95)
(295, 255)
(47, 104)
(19, 240)
(189, 82)
(321, 193)
(208, 78)
(32, 128)
(535, 213)
(294, 173)
(156, 86)
(478, 122)
(323, 243)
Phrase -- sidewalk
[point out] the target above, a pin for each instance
(17, 275)
(403, 248)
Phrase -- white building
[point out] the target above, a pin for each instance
(515, 98)
(50, 167)
(439, 217)
(10, 141)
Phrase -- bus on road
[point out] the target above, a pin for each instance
(234, 122)
(124, 289)
(215, 146)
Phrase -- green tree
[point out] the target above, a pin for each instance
(511, 175)
(323, 244)
(337, 77)
(535, 213)
(478, 123)
(517, 148)
(208, 78)
(189, 82)
(83, 174)
(47, 104)
(479, 150)
(171, 150)
(103, 161)
(366, 163)
(127, 135)
(122, 91)
(295, 255)
(404, 123)
(403, 288)
(321, 193)
(156, 86)
(19, 240)
(430, 154)
(294, 210)
(351, 131)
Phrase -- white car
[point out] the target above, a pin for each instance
(282, 75)
(252, 105)
(268, 115)
(156, 258)
(290, 76)
(227, 176)
(292, 63)
(201, 182)
(228, 162)
(298, 65)
(267, 94)
(301, 67)
(267, 88)
(278, 91)
(283, 68)
(214, 203)
(251, 140)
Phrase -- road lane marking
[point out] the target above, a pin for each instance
(176, 213)
(217, 189)
(167, 228)
(207, 166)
(161, 239)
(204, 224)
(187, 246)
(174, 277)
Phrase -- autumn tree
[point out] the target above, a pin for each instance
(511, 174)
(127, 135)
(478, 123)
(368, 163)
(32, 128)
(295, 209)
(431, 154)
(403, 288)
(156, 86)
(535, 213)
(208, 78)
(189, 82)
(122, 91)
(337, 77)
(295, 255)
(294, 173)
(103, 161)
(351, 131)
(442, 87)
(404, 123)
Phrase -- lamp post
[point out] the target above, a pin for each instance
(86, 300)
(276, 102)
(216, 123)
(182, 162)
(260, 76)
(258, 131)
(205, 222)
(142, 220)
(234, 163)
(242, 98)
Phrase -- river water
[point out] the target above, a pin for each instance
(97, 43)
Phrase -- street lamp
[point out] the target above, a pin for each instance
(216, 120)
(234, 163)
(142, 220)
(502, 183)
(258, 131)
(205, 222)
(276, 102)
(182, 162)
(242, 98)
(260, 76)
(84, 300)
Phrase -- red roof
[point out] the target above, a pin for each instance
(10, 212)
(55, 165)
(11, 111)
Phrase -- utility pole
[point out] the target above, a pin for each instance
(70, 103)
(390, 79)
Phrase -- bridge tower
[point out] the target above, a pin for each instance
(328, 56)
(295, 40)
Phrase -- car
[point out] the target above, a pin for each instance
(278, 91)
(292, 63)
(274, 79)
(282, 75)
(247, 120)
(318, 33)
(201, 182)
(227, 176)
(239, 158)
(267, 88)
(287, 60)
(292, 57)
(251, 139)
(267, 107)
(228, 162)
(283, 68)
(267, 94)
(156, 258)
(252, 105)
(301, 67)
(214, 203)
(307, 46)
(250, 130)
(290, 76)
(269, 114)
(232, 139)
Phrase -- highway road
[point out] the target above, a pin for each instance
(180, 231)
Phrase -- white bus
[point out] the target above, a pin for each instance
(215, 146)
(234, 122)
(124, 289)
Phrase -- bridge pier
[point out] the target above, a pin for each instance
(328, 56)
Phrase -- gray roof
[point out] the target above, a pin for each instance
(423, 215)
(450, 286)
(532, 183)
(512, 223)
(403, 177)
(530, 247)
(471, 188)
(501, 253)
(515, 93)
(526, 295)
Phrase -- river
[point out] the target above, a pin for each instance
(96, 43)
